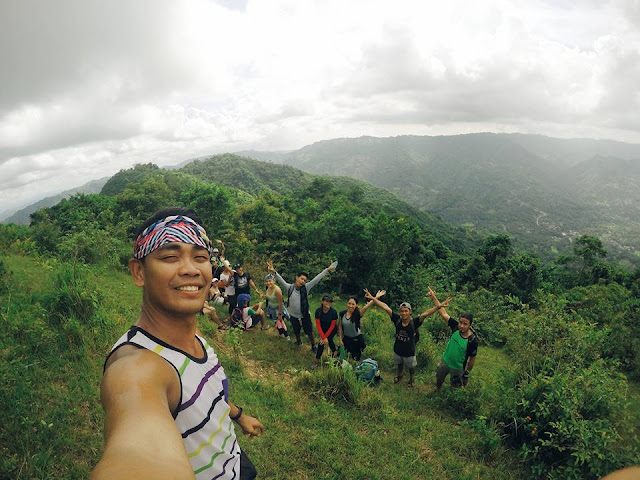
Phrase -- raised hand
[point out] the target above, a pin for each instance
(270, 267)
(381, 293)
(431, 293)
(331, 266)
(367, 294)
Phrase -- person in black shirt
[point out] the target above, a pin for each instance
(326, 318)
(404, 347)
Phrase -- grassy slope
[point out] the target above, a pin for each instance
(52, 428)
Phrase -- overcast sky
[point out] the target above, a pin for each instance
(90, 87)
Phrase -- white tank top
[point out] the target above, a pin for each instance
(202, 415)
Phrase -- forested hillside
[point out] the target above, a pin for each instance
(544, 192)
(554, 393)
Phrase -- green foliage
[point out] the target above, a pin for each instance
(74, 297)
(564, 422)
(461, 402)
(332, 383)
(5, 277)
(232, 339)
(121, 180)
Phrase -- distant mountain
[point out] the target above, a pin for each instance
(543, 191)
(254, 176)
(21, 217)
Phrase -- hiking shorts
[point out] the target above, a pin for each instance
(272, 313)
(409, 362)
(457, 379)
(306, 324)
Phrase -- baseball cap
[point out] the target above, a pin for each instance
(405, 304)
(328, 298)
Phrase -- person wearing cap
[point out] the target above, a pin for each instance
(249, 314)
(326, 317)
(275, 305)
(406, 336)
(164, 391)
(298, 301)
(459, 356)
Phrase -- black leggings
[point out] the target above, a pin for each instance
(354, 345)
(332, 346)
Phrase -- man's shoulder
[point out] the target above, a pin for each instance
(129, 365)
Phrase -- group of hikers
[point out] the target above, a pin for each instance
(345, 327)
(165, 394)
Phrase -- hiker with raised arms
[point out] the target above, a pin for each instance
(459, 356)
(298, 301)
(166, 397)
(349, 325)
(404, 347)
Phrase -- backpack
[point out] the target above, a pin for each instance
(368, 371)
(237, 319)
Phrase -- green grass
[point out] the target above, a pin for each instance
(51, 423)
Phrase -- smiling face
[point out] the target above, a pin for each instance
(351, 305)
(175, 279)
(270, 283)
(300, 281)
(405, 313)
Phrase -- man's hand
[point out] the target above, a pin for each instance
(250, 426)
(368, 295)
(381, 293)
(270, 267)
(331, 267)
(431, 294)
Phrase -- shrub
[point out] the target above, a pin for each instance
(4, 277)
(72, 296)
(461, 402)
(333, 383)
(563, 421)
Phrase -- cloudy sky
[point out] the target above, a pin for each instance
(90, 87)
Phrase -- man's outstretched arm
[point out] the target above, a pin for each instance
(440, 307)
(377, 301)
(141, 437)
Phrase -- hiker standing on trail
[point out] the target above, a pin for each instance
(459, 357)
(164, 392)
(404, 347)
(298, 301)
(326, 317)
(275, 305)
(349, 326)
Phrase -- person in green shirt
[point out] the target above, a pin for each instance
(459, 356)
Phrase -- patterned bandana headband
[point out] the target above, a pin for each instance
(175, 228)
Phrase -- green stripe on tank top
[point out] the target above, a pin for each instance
(184, 365)
(213, 458)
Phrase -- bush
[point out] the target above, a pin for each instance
(4, 277)
(461, 402)
(563, 421)
(73, 295)
(333, 383)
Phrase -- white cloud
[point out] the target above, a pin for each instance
(94, 87)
